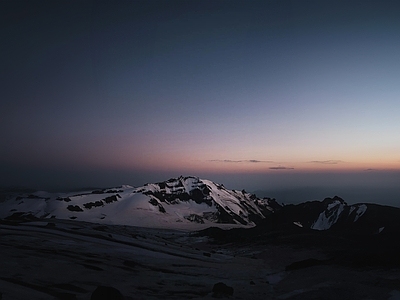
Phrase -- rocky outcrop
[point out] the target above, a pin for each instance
(221, 290)
(106, 293)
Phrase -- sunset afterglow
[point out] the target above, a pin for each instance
(140, 90)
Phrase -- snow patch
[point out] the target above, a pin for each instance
(329, 216)
(360, 211)
(298, 224)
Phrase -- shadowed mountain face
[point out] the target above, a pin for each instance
(332, 216)
(335, 215)
(360, 235)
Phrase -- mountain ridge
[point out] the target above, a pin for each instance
(191, 203)
(175, 203)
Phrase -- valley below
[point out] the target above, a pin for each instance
(69, 259)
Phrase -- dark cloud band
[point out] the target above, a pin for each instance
(281, 168)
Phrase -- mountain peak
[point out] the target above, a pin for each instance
(335, 199)
(225, 206)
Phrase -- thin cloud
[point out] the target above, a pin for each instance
(281, 168)
(326, 162)
(225, 160)
(241, 161)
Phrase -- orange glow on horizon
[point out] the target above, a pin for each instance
(192, 166)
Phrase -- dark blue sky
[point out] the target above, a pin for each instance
(255, 94)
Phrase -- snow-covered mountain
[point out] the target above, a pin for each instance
(192, 203)
(322, 215)
(184, 202)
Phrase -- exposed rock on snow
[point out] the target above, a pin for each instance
(74, 208)
(221, 290)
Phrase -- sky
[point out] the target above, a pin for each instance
(262, 95)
